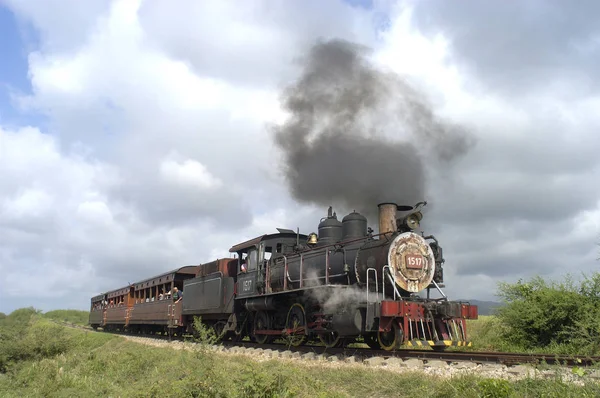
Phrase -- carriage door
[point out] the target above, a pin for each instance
(247, 281)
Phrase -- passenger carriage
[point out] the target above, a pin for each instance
(97, 311)
(153, 308)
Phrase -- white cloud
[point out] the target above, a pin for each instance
(157, 154)
(187, 172)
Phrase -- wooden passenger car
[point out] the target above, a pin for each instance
(97, 308)
(153, 307)
(120, 301)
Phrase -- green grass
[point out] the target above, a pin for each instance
(70, 316)
(49, 360)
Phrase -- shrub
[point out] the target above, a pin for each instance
(550, 314)
(204, 335)
(25, 335)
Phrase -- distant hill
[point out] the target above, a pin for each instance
(484, 307)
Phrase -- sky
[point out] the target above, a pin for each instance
(135, 135)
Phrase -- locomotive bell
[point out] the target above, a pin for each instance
(312, 239)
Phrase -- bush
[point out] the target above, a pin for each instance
(77, 317)
(542, 314)
(25, 335)
(204, 335)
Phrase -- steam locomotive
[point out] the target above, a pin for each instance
(336, 286)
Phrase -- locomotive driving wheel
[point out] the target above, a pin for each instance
(296, 325)
(330, 339)
(391, 339)
(261, 322)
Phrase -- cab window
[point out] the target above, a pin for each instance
(252, 259)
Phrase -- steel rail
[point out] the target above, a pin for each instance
(506, 358)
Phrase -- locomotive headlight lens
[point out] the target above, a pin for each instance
(412, 221)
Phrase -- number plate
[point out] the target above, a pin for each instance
(414, 261)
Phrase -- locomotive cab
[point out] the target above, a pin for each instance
(255, 256)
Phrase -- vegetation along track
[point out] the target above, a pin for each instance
(505, 358)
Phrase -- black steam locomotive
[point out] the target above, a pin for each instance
(335, 286)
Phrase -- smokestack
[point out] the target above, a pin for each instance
(387, 217)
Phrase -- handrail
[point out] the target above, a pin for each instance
(301, 268)
(285, 272)
(327, 277)
(342, 243)
(327, 267)
(439, 290)
(267, 276)
(383, 287)
(376, 284)
(392, 282)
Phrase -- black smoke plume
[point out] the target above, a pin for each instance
(357, 135)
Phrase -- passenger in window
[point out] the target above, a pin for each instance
(177, 295)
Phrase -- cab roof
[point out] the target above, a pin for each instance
(283, 234)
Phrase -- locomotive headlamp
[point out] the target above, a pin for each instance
(412, 220)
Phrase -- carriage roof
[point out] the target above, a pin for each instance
(166, 276)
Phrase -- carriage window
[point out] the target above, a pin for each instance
(278, 248)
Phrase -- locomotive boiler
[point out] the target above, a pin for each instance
(345, 252)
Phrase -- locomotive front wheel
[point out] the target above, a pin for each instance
(392, 339)
(330, 339)
(296, 325)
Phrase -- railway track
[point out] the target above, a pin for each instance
(483, 357)
(504, 358)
